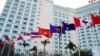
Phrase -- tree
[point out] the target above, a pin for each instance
(45, 42)
(5, 50)
(71, 46)
(34, 49)
(83, 53)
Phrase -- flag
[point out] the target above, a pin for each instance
(20, 37)
(0, 43)
(77, 22)
(95, 19)
(34, 33)
(45, 32)
(26, 34)
(71, 27)
(57, 29)
(36, 36)
(7, 39)
(64, 26)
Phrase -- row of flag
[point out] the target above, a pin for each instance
(56, 29)
(64, 27)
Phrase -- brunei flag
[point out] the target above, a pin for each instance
(45, 32)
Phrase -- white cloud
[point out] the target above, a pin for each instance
(71, 3)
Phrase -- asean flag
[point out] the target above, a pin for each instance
(45, 32)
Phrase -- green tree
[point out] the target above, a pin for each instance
(34, 49)
(83, 53)
(45, 42)
(71, 46)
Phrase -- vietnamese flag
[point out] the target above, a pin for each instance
(95, 19)
(45, 32)
(77, 22)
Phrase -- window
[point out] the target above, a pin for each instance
(2, 19)
(20, 44)
(35, 0)
(12, 16)
(7, 30)
(1, 24)
(31, 24)
(23, 27)
(14, 31)
(17, 22)
(24, 23)
(18, 17)
(25, 18)
(9, 20)
(4, 14)
(0, 29)
(18, 50)
(16, 26)
(90, 44)
(8, 25)
(31, 19)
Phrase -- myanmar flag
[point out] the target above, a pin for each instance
(45, 32)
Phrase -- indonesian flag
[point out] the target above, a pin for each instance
(77, 22)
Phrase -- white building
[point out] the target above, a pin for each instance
(19, 16)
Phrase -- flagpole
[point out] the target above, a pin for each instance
(9, 49)
(78, 47)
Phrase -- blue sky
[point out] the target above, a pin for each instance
(66, 3)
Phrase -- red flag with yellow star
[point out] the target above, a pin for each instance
(45, 32)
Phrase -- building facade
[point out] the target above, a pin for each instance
(89, 37)
(19, 16)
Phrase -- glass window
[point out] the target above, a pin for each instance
(12, 16)
(4, 14)
(17, 22)
(8, 25)
(35, 0)
(20, 44)
(2, 19)
(7, 30)
(18, 17)
(1, 24)
(25, 18)
(16, 26)
(31, 24)
(23, 27)
(0, 29)
(14, 31)
(90, 44)
(31, 19)
(24, 23)
(9, 20)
